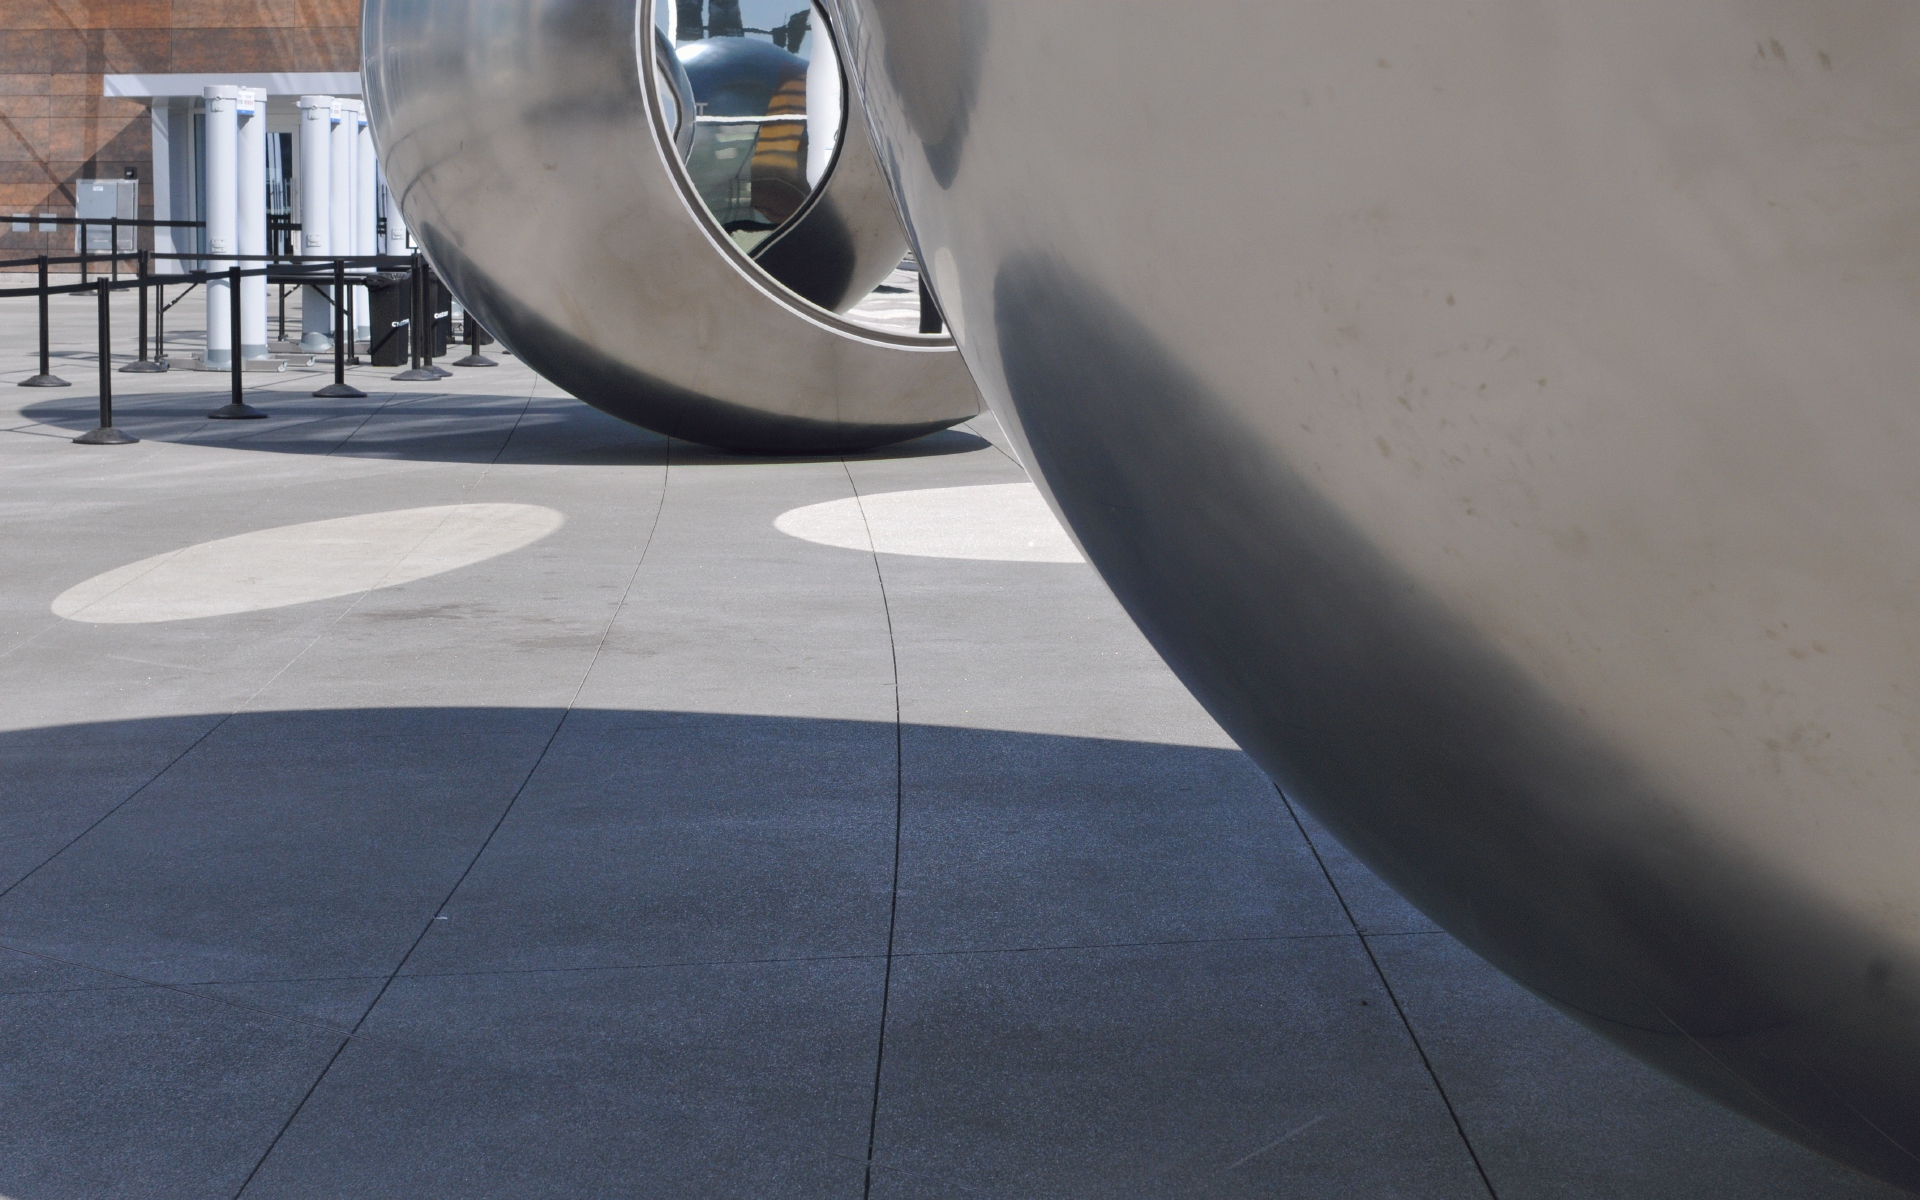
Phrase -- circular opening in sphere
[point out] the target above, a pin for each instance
(767, 108)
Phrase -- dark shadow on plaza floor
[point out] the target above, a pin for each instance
(419, 425)
(532, 952)
(664, 971)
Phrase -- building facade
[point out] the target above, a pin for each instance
(98, 90)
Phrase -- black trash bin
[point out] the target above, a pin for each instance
(390, 305)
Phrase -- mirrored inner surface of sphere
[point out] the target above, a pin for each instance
(766, 116)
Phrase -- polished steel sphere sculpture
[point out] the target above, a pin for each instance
(1503, 418)
(538, 151)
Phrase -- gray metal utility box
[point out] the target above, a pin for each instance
(102, 200)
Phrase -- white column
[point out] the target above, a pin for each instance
(366, 186)
(223, 223)
(162, 176)
(251, 173)
(316, 191)
(340, 201)
(396, 236)
(340, 205)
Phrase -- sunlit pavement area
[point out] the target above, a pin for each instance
(589, 834)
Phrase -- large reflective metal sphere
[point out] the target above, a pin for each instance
(1503, 416)
(536, 148)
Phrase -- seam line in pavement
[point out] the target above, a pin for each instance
(186, 988)
(462, 1065)
(427, 927)
(351, 433)
(136, 983)
(899, 802)
(130, 982)
(302, 653)
(217, 725)
(1004, 453)
(122, 803)
(1392, 997)
(533, 388)
(1249, 939)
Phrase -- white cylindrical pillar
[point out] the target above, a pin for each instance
(340, 200)
(316, 192)
(251, 172)
(394, 240)
(340, 204)
(366, 185)
(223, 194)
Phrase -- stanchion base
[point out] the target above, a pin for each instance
(144, 366)
(105, 436)
(475, 360)
(344, 391)
(420, 375)
(236, 412)
(44, 381)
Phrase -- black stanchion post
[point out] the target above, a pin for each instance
(474, 358)
(353, 344)
(83, 253)
(433, 320)
(342, 330)
(417, 290)
(160, 324)
(143, 364)
(416, 327)
(930, 321)
(235, 409)
(106, 435)
(46, 377)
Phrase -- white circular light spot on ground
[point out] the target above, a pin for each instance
(297, 564)
(997, 522)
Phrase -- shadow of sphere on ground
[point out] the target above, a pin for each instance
(432, 427)
(201, 907)
(636, 951)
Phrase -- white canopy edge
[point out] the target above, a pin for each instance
(280, 83)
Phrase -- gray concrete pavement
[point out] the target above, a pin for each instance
(672, 855)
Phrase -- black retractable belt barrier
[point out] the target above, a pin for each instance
(106, 435)
(236, 409)
(353, 343)
(160, 325)
(45, 378)
(143, 364)
(417, 331)
(342, 330)
(438, 334)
